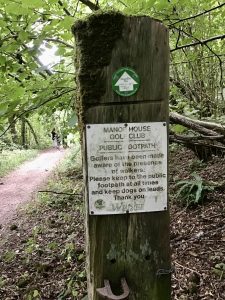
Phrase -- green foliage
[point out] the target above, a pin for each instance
(31, 246)
(23, 280)
(33, 29)
(196, 164)
(33, 295)
(69, 252)
(2, 282)
(178, 129)
(72, 286)
(8, 256)
(219, 270)
(9, 160)
(26, 82)
(9, 146)
(68, 164)
(192, 191)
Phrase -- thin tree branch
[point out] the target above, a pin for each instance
(15, 77)
(90, 4)
(61, 72)
(124, 4)
(76, 8)
(212, 51)
(198, 15)
(36, 107)
(187, 61)
(203, 42)
(20, 58)
(191, 270)
(59, 42)
(65, 10)
(61, 193)
(178, 39)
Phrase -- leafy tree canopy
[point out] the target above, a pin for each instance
(28, 28)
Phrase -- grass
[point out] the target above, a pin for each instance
(72, 161)
(10, 159)
(43, 257)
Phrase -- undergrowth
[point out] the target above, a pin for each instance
(193, 191)
(43, 256)
(10, 159)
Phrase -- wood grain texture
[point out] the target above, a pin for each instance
(134, 246)
(144, 48)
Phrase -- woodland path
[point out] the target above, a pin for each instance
(20, 185)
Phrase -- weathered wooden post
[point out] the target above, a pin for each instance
(122, 104)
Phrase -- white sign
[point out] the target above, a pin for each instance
(127, 167)
(126, 83)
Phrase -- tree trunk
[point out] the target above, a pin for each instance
(13, 131)
(32, 131)
(189, 123)
(180, 119)
(23, 133)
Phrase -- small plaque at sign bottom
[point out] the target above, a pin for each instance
(127, 167)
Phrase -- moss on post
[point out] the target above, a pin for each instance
(95, 38)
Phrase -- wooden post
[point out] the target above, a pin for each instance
(130, 245)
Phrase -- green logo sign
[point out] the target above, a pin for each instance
(99, 204)
(125, 82)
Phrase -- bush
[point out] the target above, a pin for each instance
(9, 159)
(9, 146)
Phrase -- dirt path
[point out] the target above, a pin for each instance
(19, 186)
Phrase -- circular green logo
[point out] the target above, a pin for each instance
(125, 82)
(99, 204)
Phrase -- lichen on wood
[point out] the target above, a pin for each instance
(95, 38)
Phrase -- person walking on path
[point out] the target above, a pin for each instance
(55, 139)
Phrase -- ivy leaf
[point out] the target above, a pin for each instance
(35, 293)
(13, 8)
(67, 22)
(162, 4)
(2, 60)
(15, 95)
(19, 92)
(33, 3)
(66, 36)
(3, 108)
(60, 51)
(23, 36)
